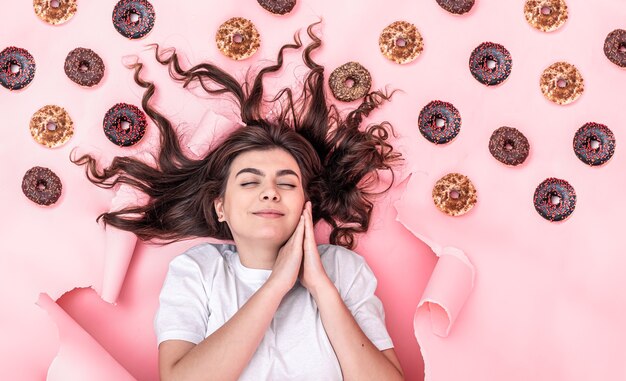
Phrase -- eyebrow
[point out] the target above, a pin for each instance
(281, 172)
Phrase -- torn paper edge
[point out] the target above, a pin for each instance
(74, 339)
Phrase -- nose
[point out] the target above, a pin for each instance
(270, 193)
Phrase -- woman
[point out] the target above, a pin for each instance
(274, 305)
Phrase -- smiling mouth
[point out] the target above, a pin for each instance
(268, 214)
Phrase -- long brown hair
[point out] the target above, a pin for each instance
(339, 160)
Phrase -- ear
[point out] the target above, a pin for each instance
(218, 203)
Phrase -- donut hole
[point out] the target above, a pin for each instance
(124, 125)
(561, 82)
(622, 47)
(51, 126)
(490, 63)
(400, 42)
(14, 68)
(55, 3)
(237, 38)
(594, 144)
(440, 122)
(133, 17)
(455, 194)
(83, 66)
(509, 145)
(546, 10)
(42, 185)
(554, 198)
(349, 82)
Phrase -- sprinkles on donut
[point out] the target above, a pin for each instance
(350, 81)
(41, 186)
(490, 63)
(554, 199)
(439, 122)
(84, 67)
(509, 146)
(124, 124)
(133, 18)
(17, 68)
(615, 47)
(277, 7)
(456, 7)
(594, 144)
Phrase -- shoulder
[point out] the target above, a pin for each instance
(342, 265)
(204, 256)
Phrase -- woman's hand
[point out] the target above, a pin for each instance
(313, 273)
(289, 260)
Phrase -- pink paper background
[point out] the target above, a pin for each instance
(547, 301)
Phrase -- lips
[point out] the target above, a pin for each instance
(269, 213)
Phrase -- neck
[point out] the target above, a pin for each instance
(257, 256)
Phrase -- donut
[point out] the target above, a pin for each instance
(545, 15)
(133, 18)
(401, 42)
(615, 47)
(561, 83)
(454, 194)
(84, 67)
(439, 122)
(278, 7)
(51, 126)
(350, 82)
(554, 199)
(509, 146)
(594, 143)
(457, 7)
(124, 124)
(490, 63)
(55, 12)
(41, 186)
(17, 68)
(237, 38)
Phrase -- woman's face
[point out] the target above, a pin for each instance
(264, 197)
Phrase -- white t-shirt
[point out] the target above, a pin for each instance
(206, 286)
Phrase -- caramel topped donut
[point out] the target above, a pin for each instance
(554, 199)
(561, 83)
(41, 186)
(17, 68)
(594, 144)
(545, 15)
(84, 67)
(401, 42)
(615, 47)
(55, 12)
(454, 194)
(350, 82)
(238, 38)
(278, 7)
(51, 126)
(509, 146)
(457, 7)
